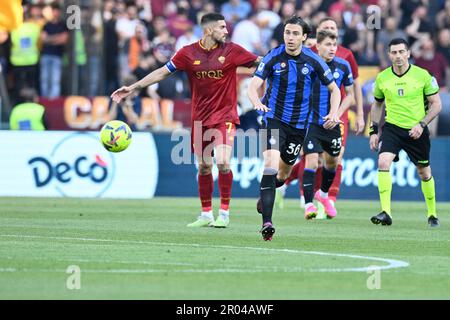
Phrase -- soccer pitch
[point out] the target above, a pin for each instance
(127, 249)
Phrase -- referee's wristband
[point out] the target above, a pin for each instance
(373, 130)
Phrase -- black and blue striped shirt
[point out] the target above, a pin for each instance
(320, 102)
(289, 84)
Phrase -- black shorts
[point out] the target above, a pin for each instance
(394, 138)
(288, 140)
(319, 139)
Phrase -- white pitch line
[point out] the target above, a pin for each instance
(392, 263)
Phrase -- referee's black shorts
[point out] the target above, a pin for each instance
(285, 138)
(394, 138)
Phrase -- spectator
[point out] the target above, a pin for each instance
(407, 8)
(247, 34)
(444, 43)
(235, 10)
(419, 25)
(195, 8)
(354, 38)
(187, 38)
(443, 17)
(28, 115)
(54, 36)
(179, 23)
(426, 57)
(125, 28)
(287, 10)
(385, 36)
(24, 56)
(139, 46)
(346, 9)
(110, 45)
(268, 21)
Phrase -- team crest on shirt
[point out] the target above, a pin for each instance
(305, 70)
(283, 65)
(401, 92)
(221, 59)
(336, 75)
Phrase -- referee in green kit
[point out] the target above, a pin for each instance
(412, 102)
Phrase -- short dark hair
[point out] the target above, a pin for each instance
(211, 17)
(398, 41)
(327, 19)
(323, 34)
(299, 21)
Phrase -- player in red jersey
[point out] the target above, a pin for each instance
(211, 67)
(330, 24)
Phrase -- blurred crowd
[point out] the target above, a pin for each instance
(120, 39)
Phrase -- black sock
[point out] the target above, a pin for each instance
(267, 194)
(279, 183)
(308, 184)
(327, 179)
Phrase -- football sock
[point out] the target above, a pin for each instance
(327, 179)
(205, 190)
(385, 189)
(335, 186)
(308, 184)
(300, 171)
(430, 196)
(225, 183)
(267, 193)
(294, 174)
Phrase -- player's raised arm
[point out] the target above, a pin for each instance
(152, 78)
(252, 91)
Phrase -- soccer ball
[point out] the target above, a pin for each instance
(115, 136)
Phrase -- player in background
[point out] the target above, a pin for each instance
(330, 24)
(290, 70)
(211, 65)
(320, 140)
(403, 87)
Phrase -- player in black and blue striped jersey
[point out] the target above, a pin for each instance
(290, 71)
(320, 139)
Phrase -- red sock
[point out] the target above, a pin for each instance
(318, 181)
(225, 183)
(301, 168)
(335, 186)
(294, 174)
(205, 190)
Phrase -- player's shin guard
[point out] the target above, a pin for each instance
(385, 189)
(327, 179)
(335, 186)
(267, 193)
(430, 196)
(225, 184)
(308, 184)
(205, 191)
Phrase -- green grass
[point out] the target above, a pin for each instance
(143, 250)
